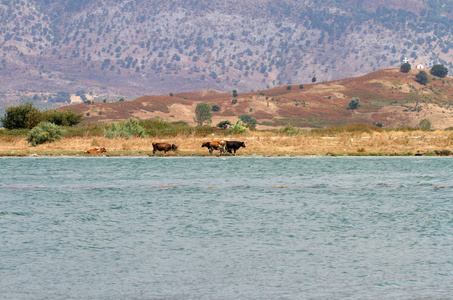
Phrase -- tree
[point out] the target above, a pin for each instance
(235, 93)
(425, 124)
(422, 77)
(203, 114)
(215, 107)
(249, 120)
(21, 116)
(224, 124)
(439, 71)
(313, 79)
(405, 68)
(354, 103)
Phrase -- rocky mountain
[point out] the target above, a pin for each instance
(54, 51)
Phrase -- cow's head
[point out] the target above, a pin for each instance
(242, 144)
(174, 147)
(206, 144)
(102, 150)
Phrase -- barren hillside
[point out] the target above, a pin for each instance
(388, 97)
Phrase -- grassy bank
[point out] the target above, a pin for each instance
(335, 141)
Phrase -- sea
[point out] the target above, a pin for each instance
(226, 228)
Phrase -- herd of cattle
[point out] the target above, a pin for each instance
(224, 147)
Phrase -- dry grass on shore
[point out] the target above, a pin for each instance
(257, 143)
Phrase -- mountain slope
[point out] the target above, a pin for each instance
(112, 49)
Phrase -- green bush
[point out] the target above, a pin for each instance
(249, 120)
(422, 77)
(354, 103)
(125, 129)
(62, 118)
(44, 132)
(223, 124)
(21, 117)
(215, 107)
(425, 124)
(439, 71)
(238, 128)
(405, 68)
(290, 130)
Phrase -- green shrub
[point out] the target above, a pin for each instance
(290, 130)
(215, 107)
(223, 124)
(238, 128)
(425, 124)
(44, 132)
(62, 118)
(125, 129)
(354, 103)
(21, 117)
(249, 120)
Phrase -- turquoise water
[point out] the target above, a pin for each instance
(226, 228)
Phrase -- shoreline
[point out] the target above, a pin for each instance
(242, 155)
(262, 144)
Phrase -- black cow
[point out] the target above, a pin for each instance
(233, 146)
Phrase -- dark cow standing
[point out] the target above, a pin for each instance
(215, 145)
(164, 147)
(233, 146)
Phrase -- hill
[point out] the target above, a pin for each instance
(127, 48)
(388, 97)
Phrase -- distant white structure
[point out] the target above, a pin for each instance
(405, 60)
(420, 66)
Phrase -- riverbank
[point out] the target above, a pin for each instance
(257, 144)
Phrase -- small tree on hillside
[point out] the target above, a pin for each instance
(249, 120)
(354, 103)
(203, 114)
(422, 77)
(313, 79)
(215, 107)
(405, 68)
(439, 71)
(235, 93)
(425, 124)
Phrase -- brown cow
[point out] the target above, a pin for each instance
(96, 150)
(164, 147)
(215, 145)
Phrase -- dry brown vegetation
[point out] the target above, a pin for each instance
(257, 143)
